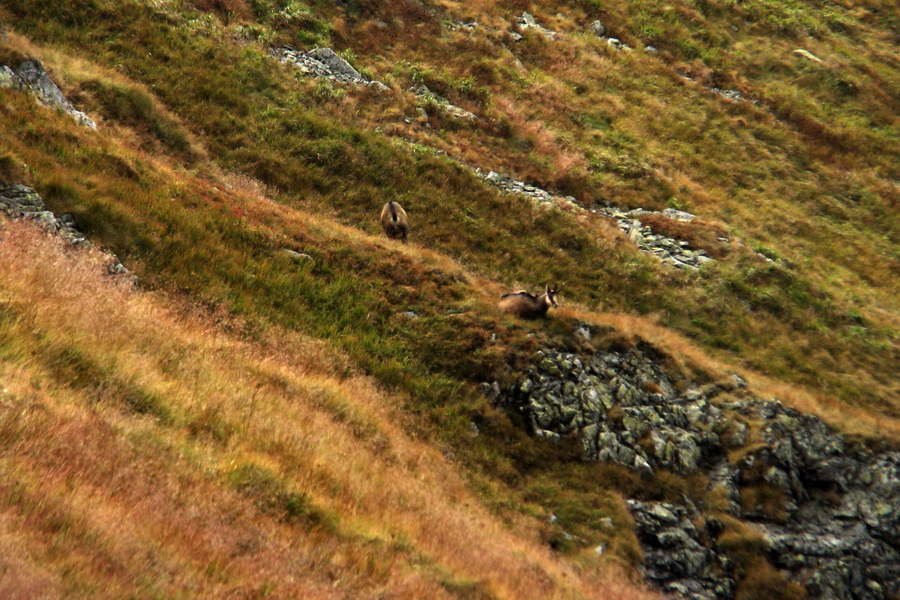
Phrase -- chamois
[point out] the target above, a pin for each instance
(528, 306)
(394, 221)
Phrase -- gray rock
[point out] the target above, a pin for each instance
(323, 63)
(670, 251)
(831, 547)
(30, 75)
(678, 215)
(9, 79)
(335, 63)
(422, 92)
(295, 255)
(688, 455)
(807, 55)
(526, 22)
(617, 44)
(597, 28)
(674, 557)
(729, 94)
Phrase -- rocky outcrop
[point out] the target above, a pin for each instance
(673, 252)
(31, 76)
(612, 401)
(422, 92)
(512, 186)
(323, 63)
(676, 558)
(841, 531)
(526, 23)
(22, 202)
(828, 515)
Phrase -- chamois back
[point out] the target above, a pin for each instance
(394, 221)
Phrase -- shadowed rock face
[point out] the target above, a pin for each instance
(677, 556)
(838, 531)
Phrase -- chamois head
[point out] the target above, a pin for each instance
(394, 221)
(530, 306)
(550, 294)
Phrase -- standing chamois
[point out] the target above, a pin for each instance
(394, 221)
(528, 306)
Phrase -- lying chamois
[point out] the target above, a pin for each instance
(528, 306)
(394, 221)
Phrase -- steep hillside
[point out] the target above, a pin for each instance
(290, 404)
(150, 452)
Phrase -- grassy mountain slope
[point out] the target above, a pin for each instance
(640, 135)
(148, 452)
(211, 158)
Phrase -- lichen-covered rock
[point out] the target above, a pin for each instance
(834, 526)
(567, 394)
(674, 557)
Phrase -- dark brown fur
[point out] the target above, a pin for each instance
(528, 306)
(394, 221)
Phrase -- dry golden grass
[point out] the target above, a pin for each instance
(109, 500)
